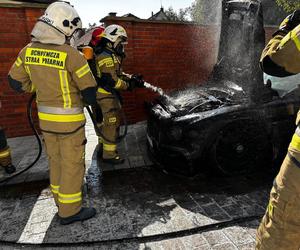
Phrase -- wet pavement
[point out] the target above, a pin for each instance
(133, 201)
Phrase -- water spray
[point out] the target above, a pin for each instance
(156, 89)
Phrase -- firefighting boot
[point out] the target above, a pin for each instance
(9, 169)
(111, 156)
(116, 160)
(84, 214)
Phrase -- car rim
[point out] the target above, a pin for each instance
(240, 148)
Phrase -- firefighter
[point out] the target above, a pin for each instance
(88, 50)
(109, 56)
(5, 155)
(280, 226)
(96, 36)
(62, 80)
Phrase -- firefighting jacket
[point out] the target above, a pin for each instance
(281, 56)
(108, 63)
(58, 74)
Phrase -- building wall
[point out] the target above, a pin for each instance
(168, 55)
(16, 25)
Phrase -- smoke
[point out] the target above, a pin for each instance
(212, 12)
(208, 15)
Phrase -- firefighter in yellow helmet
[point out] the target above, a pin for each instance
(5, 155)
(62, 80)
(280, 226)
(109, 56)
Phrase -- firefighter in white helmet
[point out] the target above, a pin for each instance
(109, 56)
(62, 80)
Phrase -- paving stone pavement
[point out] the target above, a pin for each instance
(25, 149)
(132, 200)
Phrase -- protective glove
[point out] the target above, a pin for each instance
(125, 77)
(105, 79)
(289, 23)
(136, 81)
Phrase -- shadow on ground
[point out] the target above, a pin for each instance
(133, 201)
(145, 201)
(140, 202)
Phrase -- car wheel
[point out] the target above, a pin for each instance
(240, 147)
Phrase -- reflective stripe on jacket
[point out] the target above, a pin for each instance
(284, 51)
(110, 64)
(57, 73)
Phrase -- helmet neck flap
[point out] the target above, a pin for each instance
(46, 34)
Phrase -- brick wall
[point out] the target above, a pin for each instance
(169, 55)
(16, 25)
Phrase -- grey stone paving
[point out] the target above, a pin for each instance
(25, 149)
(132, 200)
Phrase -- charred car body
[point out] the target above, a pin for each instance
(234, 123)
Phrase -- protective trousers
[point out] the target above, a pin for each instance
(5, 156)
(109, 128)
(280, 226)
(66, 156)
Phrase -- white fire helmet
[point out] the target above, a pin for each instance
(63, 17)
(113, 32)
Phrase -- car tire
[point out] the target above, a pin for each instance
(240, 148)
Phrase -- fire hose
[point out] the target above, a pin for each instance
(144, 239)
(38, 139)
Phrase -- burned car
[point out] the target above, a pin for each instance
(235, 123)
